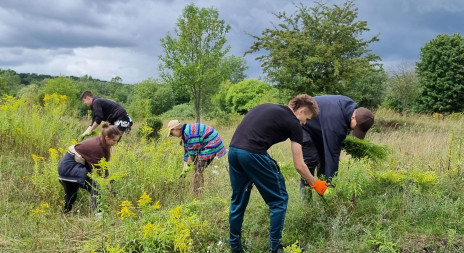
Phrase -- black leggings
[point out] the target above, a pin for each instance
(70, 193)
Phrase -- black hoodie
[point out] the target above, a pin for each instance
(106, 110)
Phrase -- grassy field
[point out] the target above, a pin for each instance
(409, 202)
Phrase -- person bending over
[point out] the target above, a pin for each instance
(80, 160)
(202, 144)
(104, 109)
(249, 163)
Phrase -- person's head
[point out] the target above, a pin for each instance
(304, 107)
(86, 97)
(110, 136)
(361, 121)
(175, 127)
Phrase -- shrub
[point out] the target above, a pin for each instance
(244, 95)
(182, 111)
(151, 128)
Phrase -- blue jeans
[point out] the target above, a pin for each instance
(247, 168)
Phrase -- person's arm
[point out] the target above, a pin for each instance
(300, 165)
(90, 128)
(302, 168)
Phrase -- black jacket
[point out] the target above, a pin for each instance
(106, 110)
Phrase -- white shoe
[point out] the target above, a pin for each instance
(98, 215)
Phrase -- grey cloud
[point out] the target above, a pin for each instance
(106, 38)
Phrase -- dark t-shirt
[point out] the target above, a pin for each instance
(265, 125)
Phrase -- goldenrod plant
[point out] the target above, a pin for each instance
(381, 205)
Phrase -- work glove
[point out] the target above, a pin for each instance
(86, 132)
(320, 187)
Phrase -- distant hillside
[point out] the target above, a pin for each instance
(28, 78)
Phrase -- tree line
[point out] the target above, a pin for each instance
(318, 49)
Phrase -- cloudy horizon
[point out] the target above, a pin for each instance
(112, 38)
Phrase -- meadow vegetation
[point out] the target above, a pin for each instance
(410, 201)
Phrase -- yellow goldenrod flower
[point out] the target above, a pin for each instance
(144, 200)
(156, 206)
(126, 211)
(53, 153)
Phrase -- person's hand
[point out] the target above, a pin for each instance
(320, 187)
(87, 132)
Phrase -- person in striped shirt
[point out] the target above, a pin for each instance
(202, 144)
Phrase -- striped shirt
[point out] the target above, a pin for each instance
(202, 141)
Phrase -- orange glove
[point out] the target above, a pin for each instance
(320, 187)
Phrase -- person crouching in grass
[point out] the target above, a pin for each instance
(79, 161)
(202, 144)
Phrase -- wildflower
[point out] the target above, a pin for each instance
(126, 211)
(148, 230)
(43, 208)
(156, 206)
(175, 213)
(53, 153)
(144, 200)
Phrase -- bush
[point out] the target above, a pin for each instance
(244, 95)
(182, 111)
(151, 128)
(162, 101)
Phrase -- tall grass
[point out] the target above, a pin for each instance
(409, 202)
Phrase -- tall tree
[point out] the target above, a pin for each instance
(191, 59)
(233, 68)
(403, 86)
(369, 91)
(316, 50)
(10, 82)
(441, 74)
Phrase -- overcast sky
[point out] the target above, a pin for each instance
(109, 38)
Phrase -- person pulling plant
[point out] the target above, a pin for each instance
(202, 143)
(323, 136)
(80, 160)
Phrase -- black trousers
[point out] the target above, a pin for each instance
(70, 193)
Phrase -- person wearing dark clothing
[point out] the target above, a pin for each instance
(249, 163)
(105, 110)
(80, 160)
(323, 135)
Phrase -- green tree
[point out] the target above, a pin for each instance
(219, 99)
(139, 106)
(10, 82)
(63, 86)
(403, 88)
(243, 96)
(233, 68)
(29, 92)
(441, 74)
(316, 50)
(162, 101)
(191, 59)
(369, 91)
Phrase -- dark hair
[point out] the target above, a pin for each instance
(111, 132)
(85, 94)
(305, 101)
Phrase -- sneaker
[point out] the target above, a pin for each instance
(98, 215)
